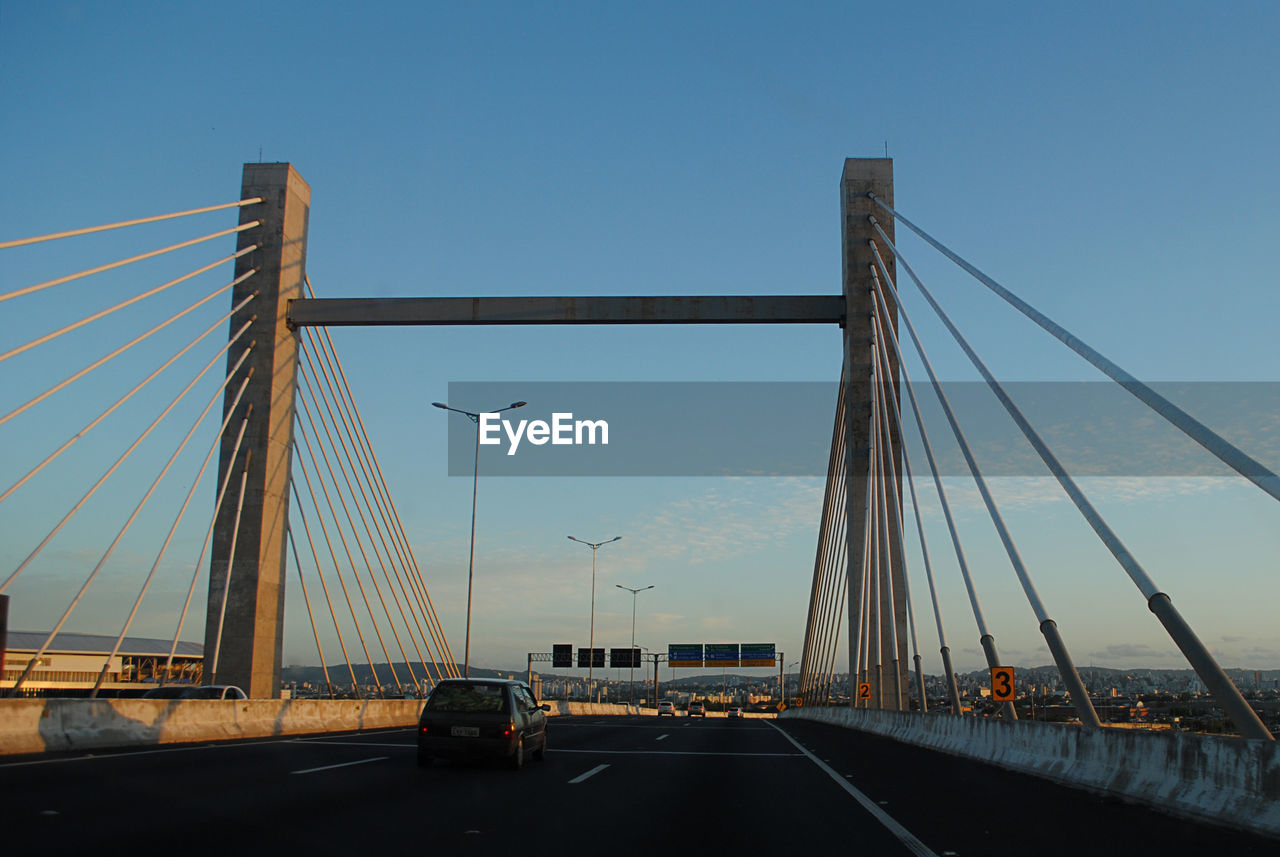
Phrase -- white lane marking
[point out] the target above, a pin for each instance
(591, 773)
(343, 765)
(125, 753)
(667, 753)
(660, 737)
(349, 743)
(906, 837)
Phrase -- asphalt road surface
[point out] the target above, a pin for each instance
(609, 786)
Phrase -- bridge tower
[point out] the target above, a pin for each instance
(889, 684)
(247, 652)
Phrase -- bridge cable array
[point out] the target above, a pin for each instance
(884, 542)
(166, 414)
(1232, 456)
(1206, 667)
(336, 381)
(351, 502)
(331, 417)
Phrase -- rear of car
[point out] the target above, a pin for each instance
(666, 707)
(735, 712)
(466, 720)
(697, 709)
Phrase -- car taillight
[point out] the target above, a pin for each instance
(425, 730)
(510, 728)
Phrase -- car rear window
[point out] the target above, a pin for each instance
(469, 697)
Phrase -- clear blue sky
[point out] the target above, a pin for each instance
(1112, 163)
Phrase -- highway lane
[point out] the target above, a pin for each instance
(612, 785)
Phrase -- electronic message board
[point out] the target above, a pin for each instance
(562, 655)
(624, 658)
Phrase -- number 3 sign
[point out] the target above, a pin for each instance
(1002, 684)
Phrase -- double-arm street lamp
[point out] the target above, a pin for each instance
(634, 593)
(591, 645)
(475, 484)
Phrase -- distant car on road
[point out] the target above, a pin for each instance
(213, 691)
(735, 712)
(666, 707)
(697, 709)
(469, 719)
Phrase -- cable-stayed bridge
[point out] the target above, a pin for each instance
(299, 497)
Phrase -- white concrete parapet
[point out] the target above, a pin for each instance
(1231, 781)
(46, 725)
(51, 725)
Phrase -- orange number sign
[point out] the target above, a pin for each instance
(864, 690)
(1002, 684)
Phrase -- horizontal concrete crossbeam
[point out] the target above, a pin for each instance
(663, 309)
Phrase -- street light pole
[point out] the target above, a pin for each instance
(591, 644)
(634, 593)
(475, 485)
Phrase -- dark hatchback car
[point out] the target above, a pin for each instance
(469, 719)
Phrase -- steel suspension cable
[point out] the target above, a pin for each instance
(324, 530)
(48, 284)
(827, 577)
(346, 435)
(890, 550)
(1232, 456)
(886, 396)
(137, 602)
(217, 506)
(985, 637)
(882, 358)
(89, 319)
(837, 584)
(874, 634)
(106, 555)
(333, 479)
(123, 348)
(21, 242)
(399, 536)
(823, 533)
(1048, 627)
(824, 576)
(351, 523)
(355, 686)
(1191, 646)
(310, 616)
(864, 615)
(121, 459)
(832, 621)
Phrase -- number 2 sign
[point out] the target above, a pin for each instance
(1002, 684)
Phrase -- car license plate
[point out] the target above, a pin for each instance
(465, 731)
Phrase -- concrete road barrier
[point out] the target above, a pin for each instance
(52, 725)
(48, 725)
(1230, 781)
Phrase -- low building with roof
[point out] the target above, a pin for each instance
(71, 663)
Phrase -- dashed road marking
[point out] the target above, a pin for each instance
(591, 773)
(660, 737)
(343, 765)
